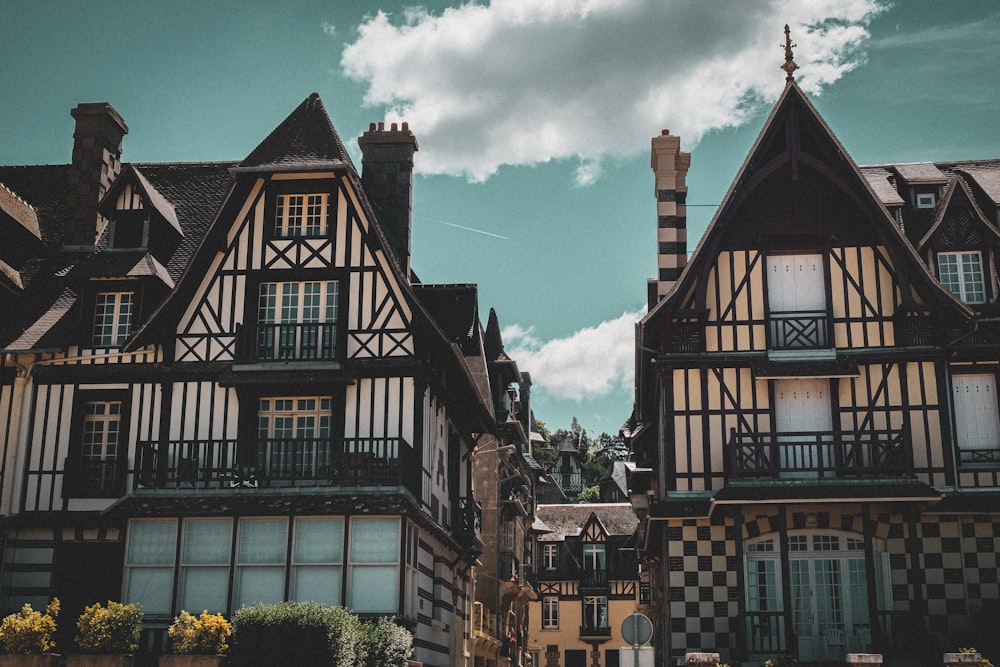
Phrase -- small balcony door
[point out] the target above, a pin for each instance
(802, 409)
(796, 300)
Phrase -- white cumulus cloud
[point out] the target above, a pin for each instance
(593, 362)
(523, 82)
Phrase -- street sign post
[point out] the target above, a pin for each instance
(637, 629)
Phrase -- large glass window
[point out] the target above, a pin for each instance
(112, 318)
(149, 564)
(593, 557)
(595, 611)
(550, 612)
(205, 557)
(260, 562)
(300, 215)
(550, 556)
(962, 274)
(297, 320)
(374, 565)
(294, 435)
(317, 557)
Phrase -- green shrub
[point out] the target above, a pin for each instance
(112, 629)
(203, 635)
(304, 634)
(30, 631)
(386, 644)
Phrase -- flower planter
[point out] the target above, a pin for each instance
(29, 660)
(191, 660)
(99, 660)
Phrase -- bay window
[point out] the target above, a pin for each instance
(373, 576)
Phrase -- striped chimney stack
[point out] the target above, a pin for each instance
(670, 167)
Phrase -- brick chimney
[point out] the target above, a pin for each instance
(670, 167)
(97, 150)
(387, 176)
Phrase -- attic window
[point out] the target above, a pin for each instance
(300, 215)
(962, 274)
(925, 200)
(112, 318)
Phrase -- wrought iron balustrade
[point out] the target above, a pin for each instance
(595, 631)
(819, 454)
(206, 464)
(766, 632)
(802, 330)
(293, 341)
(594, 579)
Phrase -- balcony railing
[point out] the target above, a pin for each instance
(587, 631)
(467, 525)
(819, 454)
(208, 464)
(594, 579)
(288, 342)
(803, 330)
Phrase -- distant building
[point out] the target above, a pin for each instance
(817, 427)
(223, 384)
(588, 583)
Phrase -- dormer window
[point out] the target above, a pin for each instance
(300, 215)
(112, 318)
(962, 274)
(925, 200)
(129, 223)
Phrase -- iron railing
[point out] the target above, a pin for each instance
(206, 464)
(820, 454)
(295, 341)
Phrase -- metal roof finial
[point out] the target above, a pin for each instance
(789, 66)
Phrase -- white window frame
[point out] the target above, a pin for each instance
(284, 420)
(924, 200)
(302, 562)
(595, 611)
(357, 563)
(550, 612)
(301, 215)
(550, 556)
(102, 421)
(966, 277)
(594, 557)
(112, 318)
(160, 560)
(187, 591)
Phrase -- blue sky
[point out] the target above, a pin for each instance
(534, 119)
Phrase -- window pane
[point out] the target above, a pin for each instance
(374, 588)
(265, 585)
(205, 588)
(262, 541)
(207, 542)
(319, 541)
(374, 540)
(152, 542)
(315, 583)
(151, 587)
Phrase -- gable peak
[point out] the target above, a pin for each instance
(305, 139)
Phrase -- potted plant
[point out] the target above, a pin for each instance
(107, 635)
(197, 641)
(27, 636)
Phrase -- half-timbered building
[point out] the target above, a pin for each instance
(223, 384)
(816, 426)
(587, 571)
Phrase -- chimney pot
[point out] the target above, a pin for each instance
(406, 126)
(371, 127)
(381, 127)
(665, 133)
(393, 127)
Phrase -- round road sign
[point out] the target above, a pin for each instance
(637, 629)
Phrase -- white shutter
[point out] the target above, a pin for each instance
(977, 420)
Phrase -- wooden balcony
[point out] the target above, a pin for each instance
(218, 464)
(467, 526)
(805, 330)
(288, 342)
(819, 455)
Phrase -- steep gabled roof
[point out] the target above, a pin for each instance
(564, 521)
(958, 206)
(797, 138)
(306, 138)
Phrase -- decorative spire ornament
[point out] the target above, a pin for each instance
(789, 66)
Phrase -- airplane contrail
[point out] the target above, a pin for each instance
(468, 229)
